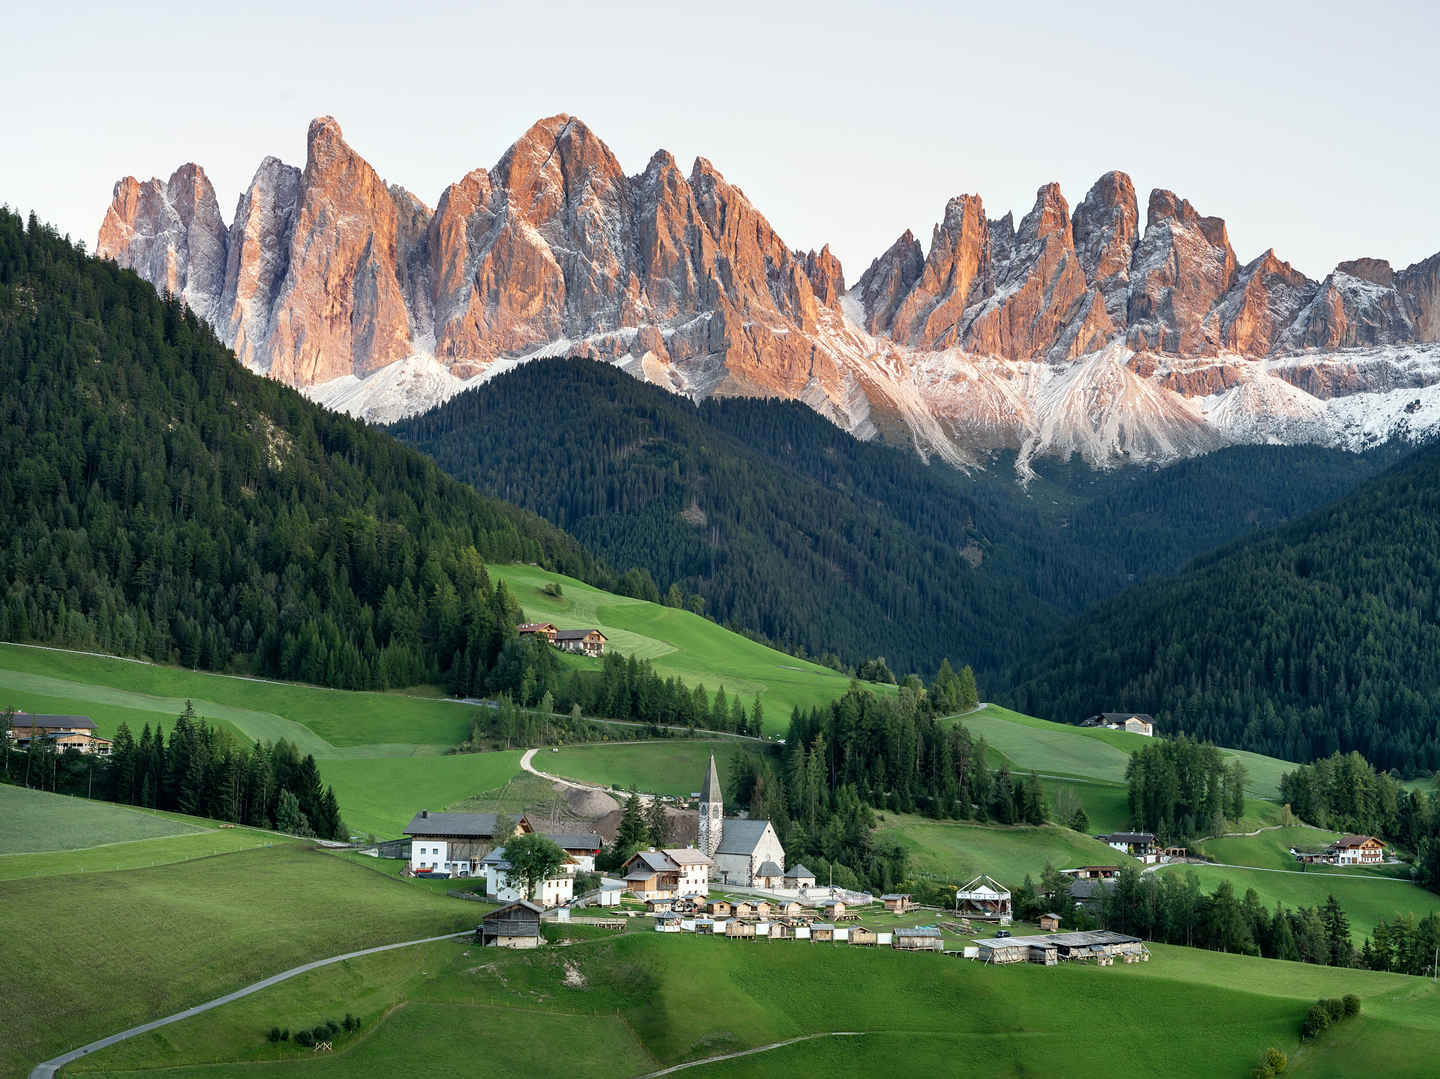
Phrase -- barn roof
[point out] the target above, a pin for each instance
(26, 719)
(575, 840)
(458, 825)
(577, 634)
(1347, 841)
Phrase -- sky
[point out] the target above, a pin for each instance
(1310, 127)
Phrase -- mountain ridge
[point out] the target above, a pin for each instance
(1075, 331)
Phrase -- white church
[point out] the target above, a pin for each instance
(744, 852)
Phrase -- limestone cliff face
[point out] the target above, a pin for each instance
(1068, 331)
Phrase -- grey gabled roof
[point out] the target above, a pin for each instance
(768, 869)
(1129, 837)
(576, 634)
(741, 836)
(26, 719)
(575, 840)
(710, 789)
(798, 871)
(459, 825)
(1121, 717)
(918, 931)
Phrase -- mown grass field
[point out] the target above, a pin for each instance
(379, 795)
(956, 850)
(1367, 899)
(87, 955)
(622, 1006)
(1268, 850)
(38, 821)
(663, 767)
(681, 643)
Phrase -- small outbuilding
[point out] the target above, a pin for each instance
(516, 925)
(822, 931)
(835, 908)
(919, 938)
(735, 929)
(768, 875)
(860, 935)
(897, 902)
(1049, 923)
(798, 877)
(719, 908)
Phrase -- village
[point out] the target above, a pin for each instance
(735, 884)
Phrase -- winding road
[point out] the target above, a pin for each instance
(47, 1069)
(527, 765)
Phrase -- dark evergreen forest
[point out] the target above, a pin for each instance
(157, 499)
(789, 529)
(1320, 637)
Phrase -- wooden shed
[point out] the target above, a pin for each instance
(735, 929)
(1049, 923)
(822, 931)
(659, 906)
(835, 908)
(516, 925)
(897, 902)
(920, 938)
(790, 909)
(860, 935)
(719, 908)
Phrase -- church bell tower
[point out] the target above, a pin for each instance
(712, 812)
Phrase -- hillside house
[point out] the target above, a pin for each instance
(668, 873)
(984, 899)
(551, 892)
(1139, 845)
(453, 843)
(581, 642)
(516, 925)
(1091, 893)
(545, 630)
(1134, 722)
(1357, 850)
(896, 902)
(798, 877)
(919, 938)
(63, 732)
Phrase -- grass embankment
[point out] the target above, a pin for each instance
(681, 643)
(625, 1005)
(89, 955)
(665, 767)
(38, 821)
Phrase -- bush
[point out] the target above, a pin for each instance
(274, 1034)
(1336, 1007)
(349, 1023)
(320, 1033)
(1317, 1019)
(1352, 1004)
(1275, 1060)
(331, 1027)
(304, 1037)
(285, 1035)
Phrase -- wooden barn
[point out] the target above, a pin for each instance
(897, 902)
(822, 931)
(735, 929)
(920, 938)
(516, 925)
(860, 935)
(1049, 923)
(1103, 946)
(789, 909)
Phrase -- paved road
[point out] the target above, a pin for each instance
(750, 1052)
(48, 1069)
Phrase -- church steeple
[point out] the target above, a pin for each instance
(712, 811)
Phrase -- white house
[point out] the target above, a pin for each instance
(1357, 850)
(551, 892)
(1134, 722)
(452, 843)
(667, 873)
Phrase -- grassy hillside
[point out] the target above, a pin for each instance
(680, 643)
(37, 821)
(1268, 850)
(671, 767)
(155, 940)
(649, 1001)
(957, 851)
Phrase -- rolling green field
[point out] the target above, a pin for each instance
(663, 767)
(681, 643)
(37, 821)
(1268, 850)
(1366, 899)
(625, 1005)
(379, 795)
(956, 851)
(103, 951)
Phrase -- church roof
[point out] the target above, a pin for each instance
(710, 789)
(741, 836)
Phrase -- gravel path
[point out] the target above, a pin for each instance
(48, 1069)
(526, 764)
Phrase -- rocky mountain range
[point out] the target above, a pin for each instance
(1067, 332)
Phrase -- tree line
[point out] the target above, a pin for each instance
(1180, 788)
(199, 769)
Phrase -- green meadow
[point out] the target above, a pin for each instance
(957, 850)
(680, 643)
(661, 767)
(103, 951)
(626, 1005)
(38, 821)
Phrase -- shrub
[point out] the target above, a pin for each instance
(320, 1033)
(304, 1037)
(348, 1023)
(1317, 1019)
(1352, 1004)
(285, 1035)
(1275, 1060)
(331, 1027)
(274, 1034)
(1336, 1007)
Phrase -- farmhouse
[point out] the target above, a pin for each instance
(582, 642)
(745, 852)
(514, 926)
(537, 629)
(1091, 893)
(798, 877)
(452, 843)
(920, 938)
(985, 899)
(1136, 844)
(668, 873)
(1134, 722)
(1357, 850)
(63, 732)
(551, 892)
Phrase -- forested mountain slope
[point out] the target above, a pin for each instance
(788, 527)
(1324, 635)
(158, 499)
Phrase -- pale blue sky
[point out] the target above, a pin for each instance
(1309, 127)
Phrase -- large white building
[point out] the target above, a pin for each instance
(551, 892)
(745, 852)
